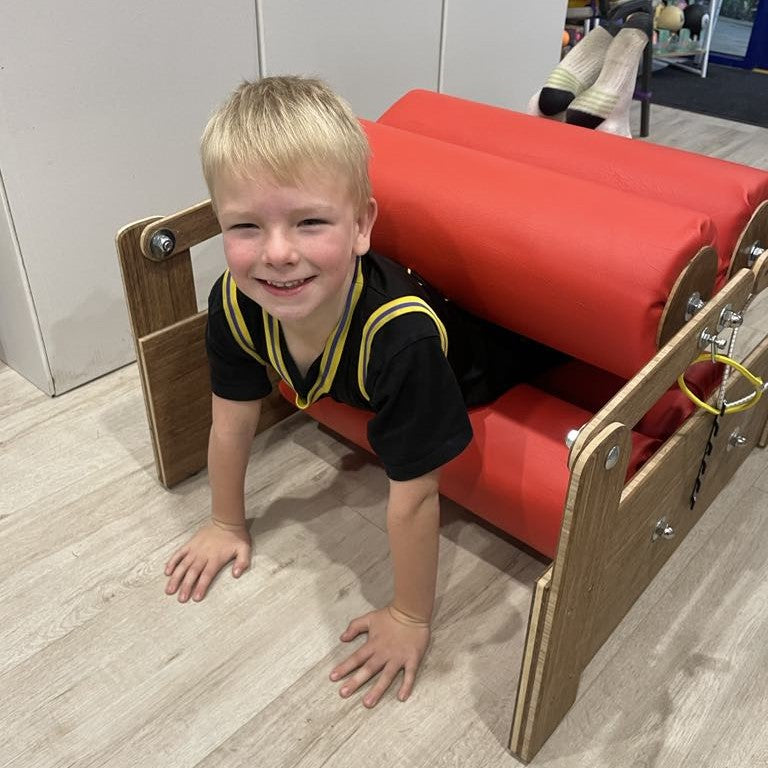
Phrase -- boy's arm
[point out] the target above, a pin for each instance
(413, 520)
(398, 635)
(233, 426)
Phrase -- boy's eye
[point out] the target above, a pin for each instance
(244, 225)
(312, 222)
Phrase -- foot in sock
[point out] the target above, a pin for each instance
(612, 91)
(574, 74)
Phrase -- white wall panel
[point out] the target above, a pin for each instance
(101, 108)
(21, 344)
(371, 52)
(500, 51)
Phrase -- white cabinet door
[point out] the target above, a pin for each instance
(371, 52)
(101, 108)
(500, 51)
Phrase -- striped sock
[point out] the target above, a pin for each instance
(617, 77)
(575, 73)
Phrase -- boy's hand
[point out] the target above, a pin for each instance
(194, 566)
(395, 642)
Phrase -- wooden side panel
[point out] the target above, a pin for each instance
(177, 388)
(189, 227)
(698, 276)
(158, 293)
(663, 489)
(533, 638)
(587, 600)
(593, 498)
(175, 371)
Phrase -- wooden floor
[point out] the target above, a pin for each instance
(100, 668)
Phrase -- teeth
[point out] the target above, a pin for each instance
(289, 284)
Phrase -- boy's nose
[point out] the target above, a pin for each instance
(279, 250)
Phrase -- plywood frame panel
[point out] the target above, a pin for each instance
(607, 555)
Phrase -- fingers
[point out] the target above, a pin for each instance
(175, 559)
(408, 681)
(370, 669)
(356, 627)
(242, 561)
(388, 674)
(178, 571)
(351, 663)
(190, 578)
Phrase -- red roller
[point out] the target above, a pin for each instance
(727, 192)
(514, 474)
(506, 241)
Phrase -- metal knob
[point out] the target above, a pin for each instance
(694, 305)
(663, 530)
(162, 243)
(613, 457)
(754, 252)
(570, 438)
(707, 338)
(736, 440)
(729, 318)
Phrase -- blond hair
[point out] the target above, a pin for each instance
(286, 126)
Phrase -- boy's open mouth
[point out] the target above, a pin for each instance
(285, 286)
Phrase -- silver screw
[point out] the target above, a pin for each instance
(162, 243)
(663, 530)
(729, 318)
(707, 338)
(613, 457)
(736, 440)
(694, 305)
(754, 252)
(570, 438)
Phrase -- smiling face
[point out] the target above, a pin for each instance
(292, 247)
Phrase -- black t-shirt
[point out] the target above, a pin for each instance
(387, 355)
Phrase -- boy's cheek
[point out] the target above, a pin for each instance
(239, 258)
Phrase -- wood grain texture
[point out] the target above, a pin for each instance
(158, 294)
(189, 227)
(699, 277)
(576, 586)
(755, 233)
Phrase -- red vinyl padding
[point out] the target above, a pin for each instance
(514, 474)
(727, 192)
(555, 258)
(590, 388)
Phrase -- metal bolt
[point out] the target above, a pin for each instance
(663, 530)
(162, 243)
(729, 318)
(736, 440)
(707, 338)
(694, 305)
(754, 252)
(570, 438)
(613, 457)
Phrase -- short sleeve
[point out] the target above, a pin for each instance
(420, 420)
(235, 375)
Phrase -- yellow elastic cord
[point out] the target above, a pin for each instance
(755, 381)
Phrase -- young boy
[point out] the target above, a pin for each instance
(286, 163)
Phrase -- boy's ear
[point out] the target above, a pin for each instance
(365, 221)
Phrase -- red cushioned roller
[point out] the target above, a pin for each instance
(507, 241)
(727, 192)
(590, 388)
(514, 474)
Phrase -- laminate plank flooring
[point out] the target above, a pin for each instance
(100, 668)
